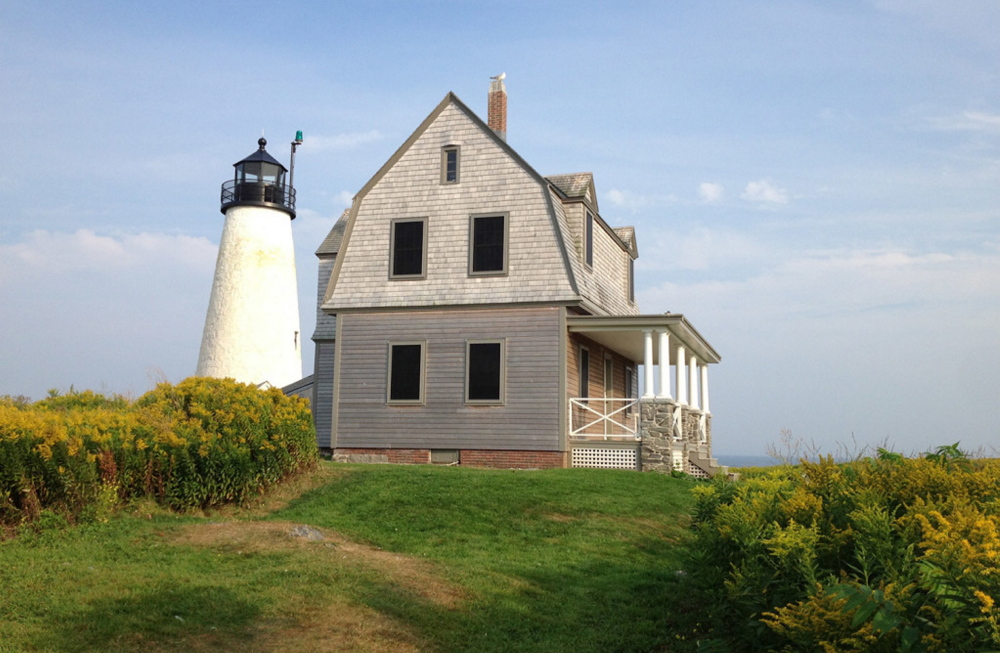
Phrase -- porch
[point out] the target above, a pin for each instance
(668, 426)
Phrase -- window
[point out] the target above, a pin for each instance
(631, 279)
(488, 244)
(409, 253)
(449, 164)
(484, 371)
(629, 387)
(590, 239)
(584, 361)
(406, 373)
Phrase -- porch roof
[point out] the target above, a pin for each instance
(625, 335)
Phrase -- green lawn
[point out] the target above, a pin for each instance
(413, 558)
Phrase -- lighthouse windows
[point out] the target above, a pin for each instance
(408, 251)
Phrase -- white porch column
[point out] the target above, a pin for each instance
(647, 364)
(664, 349)
(693, 383)
(681, 367)
(704, 388)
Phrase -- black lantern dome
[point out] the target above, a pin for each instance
(259, 180)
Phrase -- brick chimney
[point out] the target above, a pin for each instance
(496, 102)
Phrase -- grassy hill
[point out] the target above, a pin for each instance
(370, 558)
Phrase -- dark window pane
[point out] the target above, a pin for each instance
(408, 248)
(405, 373)
(451, 165)
(484, 371)
(584, 373)
(487, 244)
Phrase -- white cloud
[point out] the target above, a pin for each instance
(635, 202)
(710, 192)
(338, 142)
(766, 192)
(345, 198)
(968, 121)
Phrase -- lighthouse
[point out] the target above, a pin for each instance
(252, 329)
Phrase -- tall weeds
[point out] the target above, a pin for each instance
(199, 443)
(884, 553)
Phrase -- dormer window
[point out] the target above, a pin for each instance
(449, 164)
(589, 244)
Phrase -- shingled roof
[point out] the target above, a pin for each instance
(331, 244)
(572, 185)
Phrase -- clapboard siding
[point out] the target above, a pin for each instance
(528, 420)
(322, 401)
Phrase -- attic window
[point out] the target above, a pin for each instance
(449, 164)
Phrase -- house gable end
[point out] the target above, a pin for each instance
(494, 180)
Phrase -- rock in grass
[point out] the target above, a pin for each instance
(308, 532)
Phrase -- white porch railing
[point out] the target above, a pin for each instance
(592, 417)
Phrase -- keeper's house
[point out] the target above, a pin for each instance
(472, 311)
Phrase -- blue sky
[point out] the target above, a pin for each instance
(815, 185)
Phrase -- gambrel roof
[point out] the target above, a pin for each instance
(331, 244)
(407, 186)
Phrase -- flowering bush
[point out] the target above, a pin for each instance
(199, 443)
(888, 554)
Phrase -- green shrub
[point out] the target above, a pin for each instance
(878, 554)
(197, 444)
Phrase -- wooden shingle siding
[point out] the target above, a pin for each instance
(528, 420)
(322, 399)
(326, 324)
(490, 181)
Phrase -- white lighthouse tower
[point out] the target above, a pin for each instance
(252, 328)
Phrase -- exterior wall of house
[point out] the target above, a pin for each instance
(528, 420)
(322, 393)
(490, 182)
(605, 284)
(598, 353)
(325, 338)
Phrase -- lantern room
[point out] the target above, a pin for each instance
(259, 180)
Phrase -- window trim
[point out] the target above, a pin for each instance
(423, 373)
(506, 243)
(503, 371)
(392, 249)
(445, 150)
